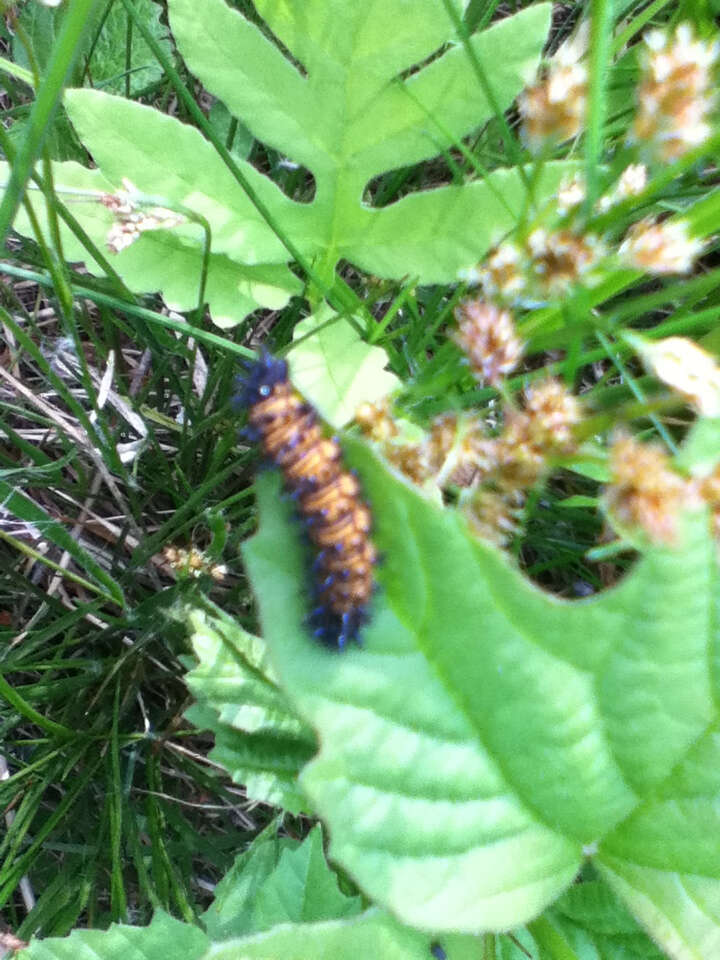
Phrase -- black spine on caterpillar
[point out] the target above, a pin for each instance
(328, 497)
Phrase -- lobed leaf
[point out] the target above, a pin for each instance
(345, 113)
(358, 100)
(127, 140)
(433, 234)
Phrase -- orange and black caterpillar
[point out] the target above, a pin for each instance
(328, 497)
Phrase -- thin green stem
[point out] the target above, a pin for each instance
(600, 37)
(635, 389)
(30, 713)
(636, 25)
(6, 66)
(511, 146)
(63, 58)
(97, 296)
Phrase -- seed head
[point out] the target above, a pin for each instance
(531, 437)
(571, 193)
(645, 492)
(676, 93)
(554, 108)
(131, 220)
(193, 563)
(553, 414)
(410, 459)
(660, 248)
(560, 258)
(490, 517)
(502, 273)
(519, 461)
(632, 182)
(376, 421)
(402, 444)
(444, 431)
(486, 334)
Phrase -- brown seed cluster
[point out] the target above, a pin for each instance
(193, 563)
(677, 92)
(493, 472)
(131, 220)
(559, 258)
(408, 454)
(645, 492)
(553, 109)
(486, 334)
(544, 266)
(661, 248)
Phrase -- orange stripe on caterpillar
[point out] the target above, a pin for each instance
(328, 498)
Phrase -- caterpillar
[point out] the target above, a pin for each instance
(328, 497)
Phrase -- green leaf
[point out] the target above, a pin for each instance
(372, 934)
(348, 116)
(487, 731)
(231, 913)
(221, 119)
(108, 66)
(40, 26)
(165, 937)
(160, 259)
(681, 911)
(128, 140)
(260, 740)
(663, 859)
(335, 369)
(599, 927)
(303, 889)
(434, 234)
(276, 882)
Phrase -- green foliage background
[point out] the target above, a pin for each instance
(498, 770)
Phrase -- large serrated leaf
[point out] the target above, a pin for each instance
(665, 858)
(372, 934)
(259, 739)
(599, 927)
(165, 937)
(487, 731)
